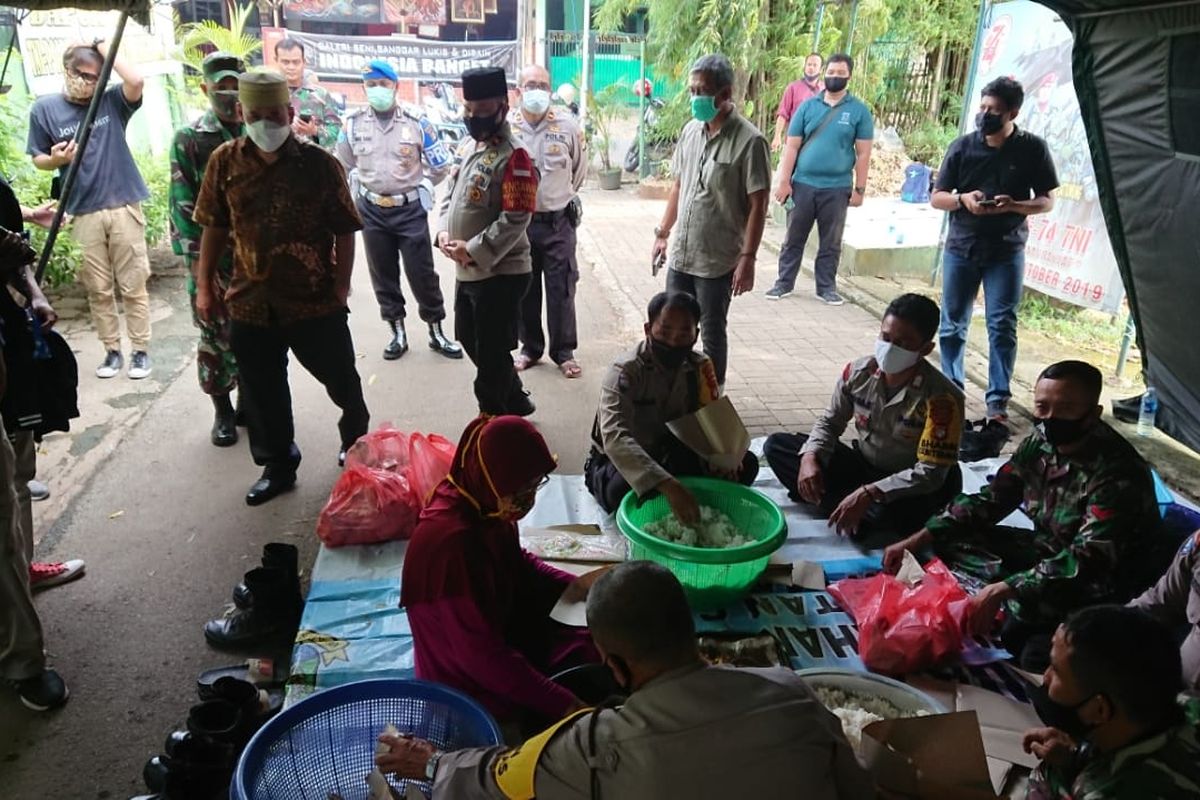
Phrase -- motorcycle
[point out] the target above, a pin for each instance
(445, 113)
(656, 149)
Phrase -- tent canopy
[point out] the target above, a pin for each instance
(138, 9)
(1137, 76)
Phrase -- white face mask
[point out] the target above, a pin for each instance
(267, 135)
(535, 101)
(892, 359)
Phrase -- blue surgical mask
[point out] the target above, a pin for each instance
(381, 98)
(704, 107)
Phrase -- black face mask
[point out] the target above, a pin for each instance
(1062, 432)
(1057, 715)
(670, 357)
(836, 85)
(989, 123)
(484, 128)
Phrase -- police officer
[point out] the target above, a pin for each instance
(555, 143)
(485, 212)
(398, 158)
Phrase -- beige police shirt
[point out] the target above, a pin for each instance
(637, 399)
(716, 177)
(555, 144)
(913, 436)
(701, 731)
(389, 153)
(489, 200)
(1175, 601)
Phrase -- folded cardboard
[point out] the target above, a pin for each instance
(930, 758)
(715, 433)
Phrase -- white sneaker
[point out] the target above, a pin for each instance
(139, 365)
(111, 367)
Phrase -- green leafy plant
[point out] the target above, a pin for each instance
(156, 172)
(603, 109)
(927, 142)
(198, 39)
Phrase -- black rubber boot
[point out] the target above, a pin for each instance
(398, 346)
(276, 555)
(272, 618)
(224, 430)
(440, 343)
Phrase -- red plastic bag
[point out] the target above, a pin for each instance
(903, 629)
(368, 506)
(382, 448)
(429, 460)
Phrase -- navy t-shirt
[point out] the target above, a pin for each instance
(108, 177)
(1020, 168)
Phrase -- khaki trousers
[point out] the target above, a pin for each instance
(21, 646)
(115, 258)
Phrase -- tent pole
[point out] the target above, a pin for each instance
(980, 24)
(1126, 341)
(82, 136)
(8, 55)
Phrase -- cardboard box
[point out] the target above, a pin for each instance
(930, 758)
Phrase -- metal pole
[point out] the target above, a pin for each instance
(82, 136)
(11, 43)
(853, 24)
(1126, 341)
(585, 91)
(980, 25)
(643, 167)
(817, 35)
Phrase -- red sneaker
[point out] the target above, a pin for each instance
(43, 575)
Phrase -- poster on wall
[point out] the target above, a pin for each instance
(415, 12)
(343, 57)
(467, 11)
(357, 11)
(45, 35)
(1068, 255)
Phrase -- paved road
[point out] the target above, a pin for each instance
(166, 535)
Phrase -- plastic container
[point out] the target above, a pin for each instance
(1148, 412)
(904, 697)
(326, 742)
(712, 577)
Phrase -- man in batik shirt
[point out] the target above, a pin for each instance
(1092, 503)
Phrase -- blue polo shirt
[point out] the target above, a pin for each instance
(827, 162)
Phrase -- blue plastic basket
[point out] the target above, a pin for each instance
(326, 742)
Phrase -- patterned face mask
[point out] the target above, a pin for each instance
(78, 88)
(224, 103)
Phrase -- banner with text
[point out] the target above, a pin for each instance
(343, 57)
(1068, 255)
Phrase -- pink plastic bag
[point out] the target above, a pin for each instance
(904, 629)
(383, 448)
(368, 506)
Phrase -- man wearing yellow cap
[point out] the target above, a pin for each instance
(287, 207)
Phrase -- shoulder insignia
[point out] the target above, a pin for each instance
(520, 183)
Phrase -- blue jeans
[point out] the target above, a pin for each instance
(1002, 277)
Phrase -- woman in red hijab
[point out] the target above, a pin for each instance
(477, 603)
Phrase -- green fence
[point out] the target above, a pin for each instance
(615, 59)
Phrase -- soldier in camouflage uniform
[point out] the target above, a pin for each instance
(1092, 503)
(1116, 728)
(317, 118)
(190, 151)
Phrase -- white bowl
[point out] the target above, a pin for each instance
(901, 695)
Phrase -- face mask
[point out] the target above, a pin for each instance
(989, 123)
(268, 136)
(535, 101)
(1059, 432)
(381, 98)
(670, 357)
(224, 102)
(704, 107)
(77, 88)
(892, 358)
(835, 85)
(1057, 715)
(483, 128)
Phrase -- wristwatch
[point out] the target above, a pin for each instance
(432, 764)
(860, 189)
(659, 233)
(958, 200)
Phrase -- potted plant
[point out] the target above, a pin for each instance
(603, 108)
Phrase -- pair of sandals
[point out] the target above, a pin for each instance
(569, 368)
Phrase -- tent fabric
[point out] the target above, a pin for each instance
(1150, 192)
(139, 10)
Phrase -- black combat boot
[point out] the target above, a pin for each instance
(277, 555)
(440, 343)
(398, 346)
(272, 618)
(224, 430)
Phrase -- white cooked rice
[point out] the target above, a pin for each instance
(856, 711)
(715, 530)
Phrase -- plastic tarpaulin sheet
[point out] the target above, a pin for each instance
(138, 9)
(1150, 191)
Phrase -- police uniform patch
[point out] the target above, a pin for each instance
(475, 194)
(489, 158)
(408, 152)
(519, 184)
(943, 429)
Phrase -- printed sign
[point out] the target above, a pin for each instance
(343, 57)
(354, 11)
(1068, 255)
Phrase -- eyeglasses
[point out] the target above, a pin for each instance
(533, 86)
(88, 77)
